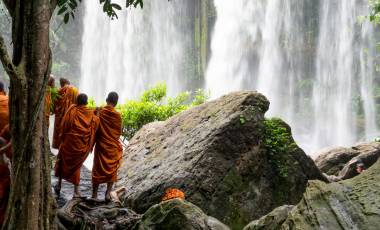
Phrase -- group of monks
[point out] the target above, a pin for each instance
(78, 130)
(5, 153)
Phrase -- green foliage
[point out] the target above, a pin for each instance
(67, 8)
(153, 106)
(91, 103)
(375, 12)
(278, 143)
(54, 96)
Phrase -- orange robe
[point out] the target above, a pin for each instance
(79, 126)
(4, 111)
(47, 104)
(67, 96)
(5, 178)
(108, 149)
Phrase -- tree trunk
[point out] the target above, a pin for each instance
(30, 202)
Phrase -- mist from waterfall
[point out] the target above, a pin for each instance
(312, 59)
(134, 52)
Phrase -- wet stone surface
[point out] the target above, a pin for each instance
(68, 189)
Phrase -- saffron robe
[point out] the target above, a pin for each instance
(4, 111)
(5, 177)
(79, 126)
(67, 96)
(108, 149)
(47, 104)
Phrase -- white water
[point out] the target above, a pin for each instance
(311, 67)
(140, 49)
(311, 58)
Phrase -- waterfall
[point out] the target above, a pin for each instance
(136, 51)
(312, 59)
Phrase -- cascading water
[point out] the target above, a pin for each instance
(134, 52)
(312, 59)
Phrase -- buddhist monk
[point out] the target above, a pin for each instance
(108, 149)
(79, 126)
(4, 110)
(67, 95)
(48, 99)
(5, 175)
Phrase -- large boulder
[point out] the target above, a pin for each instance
(178, 214)
(227, 158)
(341, 162)
(350, 204)
(271, 221)
(333, 159)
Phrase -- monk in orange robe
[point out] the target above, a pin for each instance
(79, 126)
(108, 149)
(48, 102)
(4, 110)
(5, 175)
(67, 95)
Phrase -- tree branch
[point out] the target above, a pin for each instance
(6, 59)
(53, 5)
(10, 4)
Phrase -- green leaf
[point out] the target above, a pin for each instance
(62, 10)
(116, 6)
(66, 18)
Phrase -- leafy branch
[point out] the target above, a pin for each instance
(67, 7)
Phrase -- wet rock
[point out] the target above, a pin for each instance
(349, 204)
(91, 214)
(340, 162)
(178, 214)
(271, 221)
(68, 189)
(220, 154)
(332, 160)
(369, 153)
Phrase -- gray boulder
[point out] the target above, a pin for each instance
(178, 214)
(271, 221)
(227, 158)
(350, 204)
(369, 153)
(341, 162)
(332, 160)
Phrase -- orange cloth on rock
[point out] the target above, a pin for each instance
(4, 111)
(173, 193)
(108, 149)
(79, 126)
(5, 178)
(67, 96)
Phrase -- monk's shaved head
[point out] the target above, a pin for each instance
(1, 86)
(112, 98)
(82, 99)
(63, 82)
(51, 81)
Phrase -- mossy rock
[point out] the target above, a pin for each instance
(178, 214)
(218, 154)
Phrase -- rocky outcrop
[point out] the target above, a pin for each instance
(178, 214)
(350, 204)
(227, 158)
(271, 221)
(332, 160)
(341, 162)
